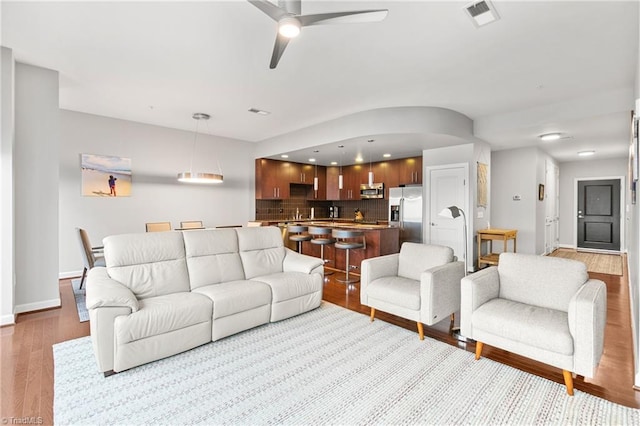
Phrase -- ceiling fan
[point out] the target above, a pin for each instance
(290, 21)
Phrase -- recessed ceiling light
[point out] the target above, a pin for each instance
(313, 160)
(386, 155)
(550, 137)
(284, 156)
(371, 140)
(586, 153)
(359, 159)
(259, 111)
(340, 146)
(334, 163)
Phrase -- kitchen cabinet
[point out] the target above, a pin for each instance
(409, 170)
(321, 193)
(272, 179)
(353, 176)
(332, 191)
(301, 173)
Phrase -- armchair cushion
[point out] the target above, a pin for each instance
(548, 282)
(397, 291)
(539, 327)
(415, 258)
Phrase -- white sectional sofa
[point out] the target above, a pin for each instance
(163, 293)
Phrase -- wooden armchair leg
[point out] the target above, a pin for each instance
(373, 314)
(420, 331)
(479, 346)
(568, 381)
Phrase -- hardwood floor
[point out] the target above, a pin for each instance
(26, 371)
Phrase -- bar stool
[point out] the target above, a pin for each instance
(321, 237)
(298, 235)
(349, 239)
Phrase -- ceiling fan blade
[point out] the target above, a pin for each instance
(278, 50)
(269, 8)
(344, 17)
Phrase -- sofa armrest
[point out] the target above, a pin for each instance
(477, 289)
(374, 268)
(440, 291)
(587, 316)
(296, 262)
(103, 291)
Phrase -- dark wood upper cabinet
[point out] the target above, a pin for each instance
(273, 178)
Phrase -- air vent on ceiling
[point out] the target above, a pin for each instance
(482, 12)
(259, 111)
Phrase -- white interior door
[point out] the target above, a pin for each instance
(447, 186)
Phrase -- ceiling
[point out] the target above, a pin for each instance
(544, 66)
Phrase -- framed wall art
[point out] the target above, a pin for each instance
(105, 176)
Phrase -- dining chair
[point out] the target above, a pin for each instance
(158, 226)
(191, 224)
(91, 256)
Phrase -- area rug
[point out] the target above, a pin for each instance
(328, 366)
(596, 262)
(80, 295)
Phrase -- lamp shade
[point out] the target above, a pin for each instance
(450, 212)
(191, 177)
(340, 181)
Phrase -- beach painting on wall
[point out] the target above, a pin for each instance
(105, 176)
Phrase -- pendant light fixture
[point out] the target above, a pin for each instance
(370, 171)
(315, 179)
(340, 176)
(200, 177)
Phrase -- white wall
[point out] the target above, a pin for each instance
(569, 172)
(36, 188)
(515, 172)
(157, 155)
(7, 264)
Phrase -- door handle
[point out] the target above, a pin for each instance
(580, 216)
(433, 224)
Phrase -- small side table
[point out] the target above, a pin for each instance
(490, 235)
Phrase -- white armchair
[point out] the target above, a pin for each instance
(543, 308)
(421, 283)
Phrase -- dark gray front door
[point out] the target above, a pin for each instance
(599, 214)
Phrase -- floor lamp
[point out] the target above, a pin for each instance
(453, 212)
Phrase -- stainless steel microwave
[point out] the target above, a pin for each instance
(374, 191)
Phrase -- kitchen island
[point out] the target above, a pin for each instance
(380, 239)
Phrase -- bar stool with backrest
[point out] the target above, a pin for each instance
(349, 239)
(322, 237)
(298, 233)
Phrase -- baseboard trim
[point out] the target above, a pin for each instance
(69, 274)
(37, 306)
(567, 246)
(7, 320)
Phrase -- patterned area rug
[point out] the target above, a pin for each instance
(596, 262)
(80, 296)
(328, 366)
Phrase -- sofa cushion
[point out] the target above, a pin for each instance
(415, 258)
(548, 282)
(150, 264)
(396, 291)
(261, 250)
(212, 257)
(236, 296)
(542, 328)
(162, 314)
(289, 285)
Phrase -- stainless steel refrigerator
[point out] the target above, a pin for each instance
(405, 212)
